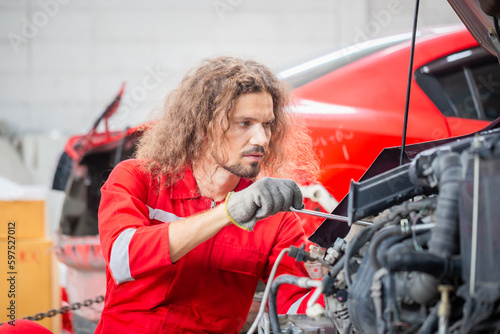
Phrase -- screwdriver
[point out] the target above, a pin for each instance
(327, 215)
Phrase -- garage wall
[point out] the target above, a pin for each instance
(62, 61)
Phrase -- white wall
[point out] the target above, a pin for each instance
(62, 61)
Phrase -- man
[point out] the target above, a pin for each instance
(185, 231)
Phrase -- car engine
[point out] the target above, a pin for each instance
(428, 259)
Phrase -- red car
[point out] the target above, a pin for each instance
(352, 100)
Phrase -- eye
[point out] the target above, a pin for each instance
(244, 124)
(267, 124)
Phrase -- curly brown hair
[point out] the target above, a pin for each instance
(188, 124)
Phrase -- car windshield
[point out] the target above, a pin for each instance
(302, 74)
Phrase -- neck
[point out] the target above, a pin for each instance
(213, 181)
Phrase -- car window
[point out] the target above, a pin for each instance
(459, 94)
(465, 84)
(487, 78)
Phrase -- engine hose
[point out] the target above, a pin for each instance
(273, 308)
(382, 235)
(330, 278)
(425, 263)
(367, 233)
(352, 248)
(336, 268)
(445, 234)
(430, 325)
(357, 243)
(421, 239)
(405, 208)
(443, 242)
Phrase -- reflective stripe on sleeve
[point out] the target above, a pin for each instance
(295, 306)
(162, 216)
(119, 260)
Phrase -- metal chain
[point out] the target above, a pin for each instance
(65, 309)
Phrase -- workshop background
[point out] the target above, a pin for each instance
(63, 61)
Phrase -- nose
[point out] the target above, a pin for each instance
(260, 136)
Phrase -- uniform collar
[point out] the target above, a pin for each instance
(186, 187)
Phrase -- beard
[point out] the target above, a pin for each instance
(242, 170)
(248, 172)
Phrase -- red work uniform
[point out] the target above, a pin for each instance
(211, 288)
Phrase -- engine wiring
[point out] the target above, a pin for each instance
(267, 289)
(270, 292)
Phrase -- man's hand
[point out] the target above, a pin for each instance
(264, 198)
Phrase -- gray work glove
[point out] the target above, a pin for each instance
(262, 199)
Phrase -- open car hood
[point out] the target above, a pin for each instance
(479, 17)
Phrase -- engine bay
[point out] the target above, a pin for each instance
(427, 261)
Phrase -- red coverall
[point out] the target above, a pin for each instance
(211, 288)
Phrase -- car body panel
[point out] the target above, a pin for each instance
(357, 110)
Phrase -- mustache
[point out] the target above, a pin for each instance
(254, 149)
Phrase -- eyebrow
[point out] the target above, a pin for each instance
(248, 118)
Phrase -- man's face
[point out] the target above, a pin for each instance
(249, 134)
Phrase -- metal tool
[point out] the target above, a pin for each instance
(327, 215)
